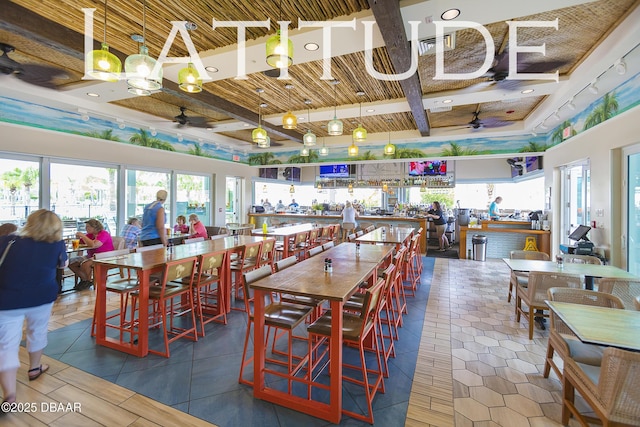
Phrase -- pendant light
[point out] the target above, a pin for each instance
(324, 150)
(279, 50)
(389, 149)
(189, 79)
(350, 188)
(360, 133)
(309, 138)
(292, 189)
(304, 152)
(139, 67)
(385, 187)
(259, 135)
(103, 64)
(353, 149)
(289, 120)
(266, 143)
(334, 127)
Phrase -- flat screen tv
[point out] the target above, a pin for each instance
(270, 173)
(428, 168)
(580, 233)
(334, 171)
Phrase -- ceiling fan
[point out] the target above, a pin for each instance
(499, 71)
(477, 123)
(39, 75)
(183, 120)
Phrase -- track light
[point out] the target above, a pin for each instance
(556, 116)
(571, 105)
(621, 67)
(593, 88)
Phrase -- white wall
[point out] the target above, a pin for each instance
(602, 146)
(26, 140)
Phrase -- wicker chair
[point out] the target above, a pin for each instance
(625, 289)
(582, 259)
(535, 293)
(611, 390)
(562, 340)
(521, 277)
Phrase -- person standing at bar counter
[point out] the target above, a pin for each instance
(153, 219)
(440, 222)
(28, 289)
(494, 210)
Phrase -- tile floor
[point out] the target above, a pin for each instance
(475, 367)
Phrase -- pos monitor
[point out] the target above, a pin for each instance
(580, 233)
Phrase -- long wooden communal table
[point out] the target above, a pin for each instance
(600, 325)
(307, 278)
(284, 234)
(146, 263)
(395, 236)
(589, 271)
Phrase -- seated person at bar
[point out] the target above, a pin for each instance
(181, 225)
(293, 204)
(494, 210)
(280, 206)
(97, 240)
(131, 233)
(196, 227)
(7, 228)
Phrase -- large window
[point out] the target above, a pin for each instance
(193, 196)
(82, 192)
(19, 190)
(142, 187)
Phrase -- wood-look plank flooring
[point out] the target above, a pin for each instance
(476, 366)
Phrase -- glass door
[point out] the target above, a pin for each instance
(233, 199)
(633, 210)
(576, 198)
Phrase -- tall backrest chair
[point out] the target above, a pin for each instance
(521, 276)
(562, 341)
(210, 294)
(582, 259)
(627, 290)
(535, 293)
(611, 390)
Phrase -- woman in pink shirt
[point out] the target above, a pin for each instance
(196, 228)
(96, 240)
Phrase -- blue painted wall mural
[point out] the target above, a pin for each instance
(624, 97)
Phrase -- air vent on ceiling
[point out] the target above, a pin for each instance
(440, 109)
(428, 46)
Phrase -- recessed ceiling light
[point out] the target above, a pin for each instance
(524, 92)
(447, 101)
(93, 94)
(370, 110)
(191, 26)
(450, 14)
(211, 69)
(312, 46)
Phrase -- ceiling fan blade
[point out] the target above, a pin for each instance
(541, 67)
(493, 123)
(8, 65)
(41, 75)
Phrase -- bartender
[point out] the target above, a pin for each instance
(494, 210)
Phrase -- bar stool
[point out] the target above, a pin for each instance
(209, 286)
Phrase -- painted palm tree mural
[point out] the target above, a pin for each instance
(607, 108)
(197, 150)
(367, 155)
(311, 158)
(456, 150)
(536, 147)
(143, 139)
(406, 153)
(104, 134)
(264, 158)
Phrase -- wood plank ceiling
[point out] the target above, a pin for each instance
(49, 32)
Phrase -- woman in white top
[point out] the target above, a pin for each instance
(349, 215)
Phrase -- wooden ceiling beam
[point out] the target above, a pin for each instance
(24, 22)
(389, 20)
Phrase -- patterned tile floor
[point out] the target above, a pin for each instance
(476, 365)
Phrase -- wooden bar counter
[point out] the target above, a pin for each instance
(502, 237)
(363, 221)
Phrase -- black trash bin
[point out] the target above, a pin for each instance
(479, 243)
